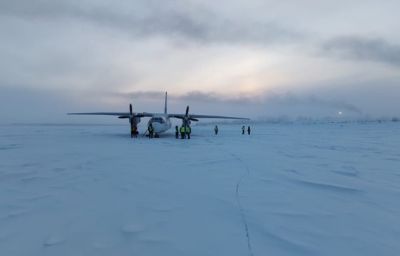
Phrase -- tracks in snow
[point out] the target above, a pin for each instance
(241, 208)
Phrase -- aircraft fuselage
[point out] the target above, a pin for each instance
(160, 123)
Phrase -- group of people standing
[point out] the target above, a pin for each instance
(184, 131)
(244, 130)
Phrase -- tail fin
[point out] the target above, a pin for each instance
(166, 103)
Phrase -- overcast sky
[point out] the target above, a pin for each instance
(255, 58)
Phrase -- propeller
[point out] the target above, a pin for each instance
(130, 114)
(187, 118)
(133, 121)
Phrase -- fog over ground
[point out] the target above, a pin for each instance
(252, 58)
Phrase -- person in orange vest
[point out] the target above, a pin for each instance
(182, 130)
(188, 131)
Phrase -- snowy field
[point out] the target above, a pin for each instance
(288, 189)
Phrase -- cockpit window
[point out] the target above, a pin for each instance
(158, 120)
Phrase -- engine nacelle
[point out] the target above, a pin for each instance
(186, 122)
(135, 120)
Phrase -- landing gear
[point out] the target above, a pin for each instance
(134, 131)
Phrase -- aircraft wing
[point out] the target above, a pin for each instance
(194, 116)
(119, 114)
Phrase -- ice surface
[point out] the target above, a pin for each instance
(288, 189)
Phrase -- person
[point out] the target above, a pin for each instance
(248, 130)
(188, 131)
(176, 132)
(151, 131)
(216, 130)
(243, 129)
(134, 131)
(182, 131)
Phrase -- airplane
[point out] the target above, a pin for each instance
(160, 121)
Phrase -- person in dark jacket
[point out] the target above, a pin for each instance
(243, 129)
(132, 131)
(151, 131)
(216, 130)
(248, 130)
(176, 132)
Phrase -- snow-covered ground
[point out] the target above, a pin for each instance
(288, 189)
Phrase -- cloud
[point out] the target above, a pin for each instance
(359, 48)
(33, 105)
(201, 49)
(170, 19)
(145, 95)
(191, 96)
(266, 98)
(314, 101)
(212, 97)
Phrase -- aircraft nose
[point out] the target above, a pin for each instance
(156, 125)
